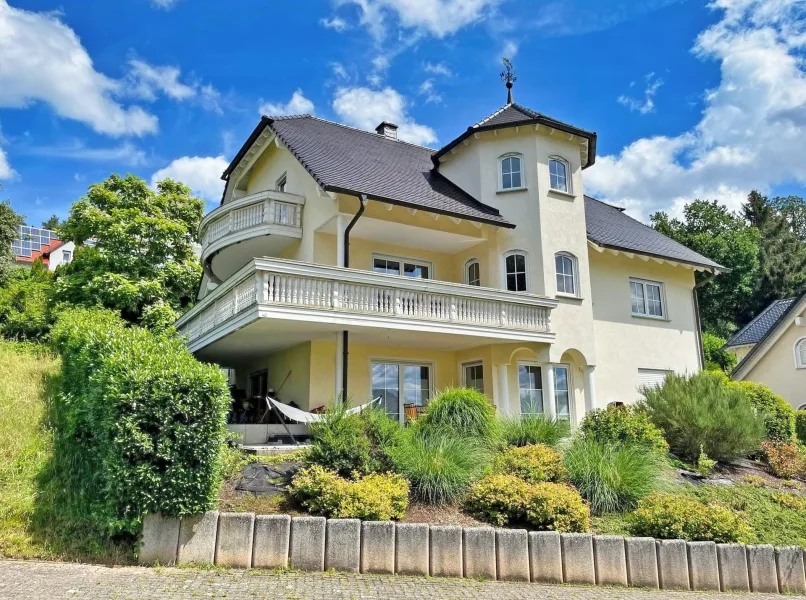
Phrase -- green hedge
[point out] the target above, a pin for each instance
(800, 425)
(139, 424)
(779, 417)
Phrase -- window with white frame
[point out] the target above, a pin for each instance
(558, 174)
(474, 375)
(472, 272)
(562, 393)
(515, 269)
(399, 266)
(281, 183)
(530, 388)
(647, 299)
(800, 354)
(567, 281)
(401, 384)
(510, 172)
(67, 256)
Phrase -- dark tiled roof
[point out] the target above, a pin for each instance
(608, 226)
(757, 329)
(515, 114)
(348, 160)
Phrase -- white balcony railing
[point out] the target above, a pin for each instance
(308, 287)
(278, 212)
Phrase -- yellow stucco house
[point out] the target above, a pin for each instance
(343, 260)
(772, 350)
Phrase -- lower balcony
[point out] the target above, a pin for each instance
(274, 303)
(261, 224)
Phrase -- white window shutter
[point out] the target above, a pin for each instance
(651, 377)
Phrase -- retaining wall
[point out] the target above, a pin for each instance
(316, 544)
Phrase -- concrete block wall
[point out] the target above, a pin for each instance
(318, 544)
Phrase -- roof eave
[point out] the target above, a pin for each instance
(351, 192)
(710, 267)
(589, 135)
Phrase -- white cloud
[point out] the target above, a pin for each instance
(165, 4)
(41, 59)
(752, 133)
(439, 18)
(297, 105)
(6, 172)
(439, 68)
(647, 104)
(508, 50)
(427, 89)
(124, 154)
(202, 174)
(335, 23)
(147, 81)
(365, 108)
(339, 70)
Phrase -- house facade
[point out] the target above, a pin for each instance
(32, 243)
(772, 350)
(345, 260)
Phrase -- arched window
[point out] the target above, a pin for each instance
(567, 279)
(800, 353)
(510, 172)
(558, 174)
(515, 269)
(472, 272)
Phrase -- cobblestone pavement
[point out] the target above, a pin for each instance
(55, 581)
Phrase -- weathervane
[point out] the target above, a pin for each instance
(508, 77)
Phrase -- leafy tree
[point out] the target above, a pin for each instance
(52, 223)
(9, 221)
(712, 230)
(782, 252)
(25, 303)
(793, 209)
(143, 253)
(716, 356)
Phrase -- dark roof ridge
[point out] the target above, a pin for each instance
(358, 129)
(618, 208)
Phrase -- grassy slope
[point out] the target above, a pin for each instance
(31, 523)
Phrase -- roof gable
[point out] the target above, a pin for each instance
(757, 329)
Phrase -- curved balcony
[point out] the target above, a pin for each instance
(261, 224)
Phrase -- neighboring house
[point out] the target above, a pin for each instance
(36, 242)
(481, 264)
(772, 350)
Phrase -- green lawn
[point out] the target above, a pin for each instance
(31, 523)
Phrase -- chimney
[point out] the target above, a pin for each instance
(387, 129)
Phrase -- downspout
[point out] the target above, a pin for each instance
(700, 347)
(345, 335)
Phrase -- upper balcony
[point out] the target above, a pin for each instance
(276, 302)
(261, 224)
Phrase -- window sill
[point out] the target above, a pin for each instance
(562, 193)
(568, 296)
(651, 318)
(520, 189)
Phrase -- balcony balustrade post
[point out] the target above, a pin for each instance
(454, 315)
(269, 208)
(229, 222)
(336, 299)
(398, 302)
(503, 314)
(298, 215)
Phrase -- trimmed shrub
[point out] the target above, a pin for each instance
(353, 443)
(779, 417)
(613, 478)
(623, 425)
(800, 425)
(533, 464)
(716, 356)
(462, 411)
(439, 466)
(557, 507)
(532, 429)
(498, 499)
(375, 497)
(679, 516)
(139, 425)
(785, 459)
(506, 499)
(703, 412)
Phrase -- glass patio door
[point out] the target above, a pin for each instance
(401, 384)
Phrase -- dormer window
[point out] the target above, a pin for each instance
(558, 174)
(281, 183)
(510, 172)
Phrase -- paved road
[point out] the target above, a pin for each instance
(57, 581)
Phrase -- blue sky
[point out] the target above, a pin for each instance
(689, 99)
